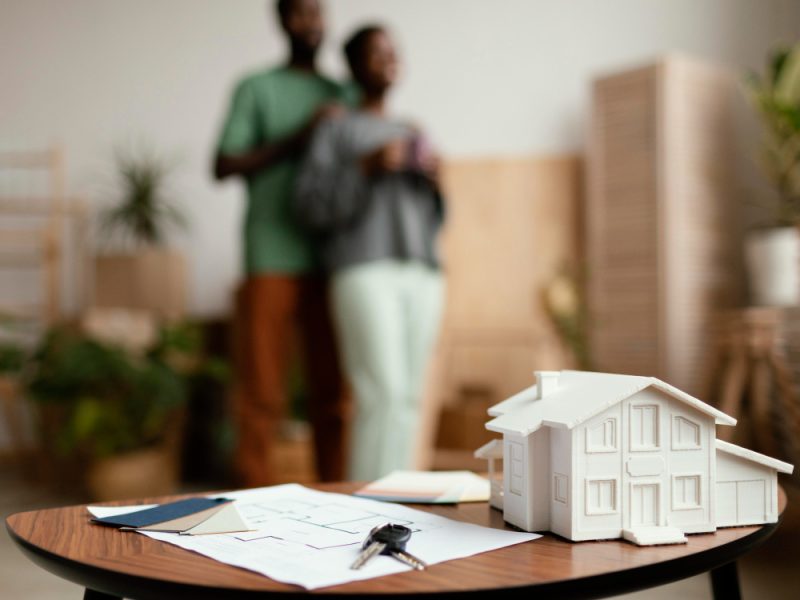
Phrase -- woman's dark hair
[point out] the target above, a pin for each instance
(354, 47)
(282, 8)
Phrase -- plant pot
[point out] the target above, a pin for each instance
(141, 473)
(773, 266)
(63, 473)
(151, 279)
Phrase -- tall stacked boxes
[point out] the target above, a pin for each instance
(660, 228)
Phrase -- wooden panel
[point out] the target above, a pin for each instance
(700, 193)
(42, 263)
(662, 254)
(512, 226)
(32, 207)
(622, 223)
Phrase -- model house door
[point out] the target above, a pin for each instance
(741, 502)
(644, 505)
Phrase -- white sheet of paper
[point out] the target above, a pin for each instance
(101, 512)
(310, 538)
(437, 487)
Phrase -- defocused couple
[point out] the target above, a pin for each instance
(342, 218)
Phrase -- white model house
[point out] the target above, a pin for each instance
(493, 452)
(600, 456)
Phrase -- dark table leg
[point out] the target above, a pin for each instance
(725, 582)
(93, 595)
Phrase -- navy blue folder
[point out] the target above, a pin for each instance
(162, 512)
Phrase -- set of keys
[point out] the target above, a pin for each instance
(389, 540)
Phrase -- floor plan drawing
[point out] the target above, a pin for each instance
(311, 538)
(316, 525)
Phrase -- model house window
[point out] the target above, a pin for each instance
(515, 467)
(685, 434)
(601, 496)
(602, 437)
(644, 427)
(560, 489)
(685, 492)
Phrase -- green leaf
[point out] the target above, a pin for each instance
(776, 65)
(787, 81)
(790, 117)
(112, 400)
(12, 358)
(143, 213)
(88, 414)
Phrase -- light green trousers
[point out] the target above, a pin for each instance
(387, 316)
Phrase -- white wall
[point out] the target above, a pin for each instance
(487, 77)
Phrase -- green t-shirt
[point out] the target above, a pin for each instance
(267, 106)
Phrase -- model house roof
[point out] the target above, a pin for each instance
(492, 449)
(768, 461)
(579, 396)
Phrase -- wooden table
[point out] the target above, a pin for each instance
(110, 563)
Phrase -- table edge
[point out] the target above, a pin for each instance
(593, 586)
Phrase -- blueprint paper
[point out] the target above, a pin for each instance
(311, 538)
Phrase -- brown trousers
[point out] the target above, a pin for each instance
(271, 311)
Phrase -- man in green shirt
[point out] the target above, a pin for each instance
(269, 124)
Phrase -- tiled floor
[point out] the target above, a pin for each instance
(772, 572)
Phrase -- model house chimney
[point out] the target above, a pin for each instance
(546, 383)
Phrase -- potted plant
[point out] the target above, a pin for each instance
(113, 401)
(12, 358)
(138, 270)
(15, 347)
(566, 307)
(773, 252)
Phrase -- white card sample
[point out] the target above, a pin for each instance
(428, 487)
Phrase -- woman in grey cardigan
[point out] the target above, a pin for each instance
(368, 190)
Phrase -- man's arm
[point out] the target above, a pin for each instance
(247, 163)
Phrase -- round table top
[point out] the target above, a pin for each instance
(62, 541)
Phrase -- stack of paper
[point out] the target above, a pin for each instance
(194, 516)
(426, 487)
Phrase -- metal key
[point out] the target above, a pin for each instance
(369, 549)
(389, 540)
